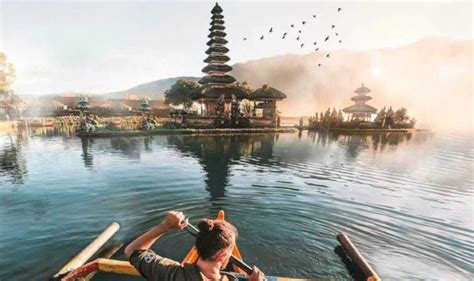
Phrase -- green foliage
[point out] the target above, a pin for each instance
(182, 93)
(381, 115)
(7, 73)
(246, 107)
(401, 115)
(244, 86)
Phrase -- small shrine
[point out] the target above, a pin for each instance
(360, 110)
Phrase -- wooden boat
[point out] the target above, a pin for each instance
(78, 269)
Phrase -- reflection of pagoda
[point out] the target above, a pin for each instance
(360, 110)
(217, 82)
(217, 154)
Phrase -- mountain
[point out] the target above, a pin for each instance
(154, 89)
(432, 78)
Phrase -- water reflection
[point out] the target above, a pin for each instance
(216, 154)
(87, 156)
(12, 163)
(357, 142)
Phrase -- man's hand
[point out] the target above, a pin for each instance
(175, 220)
(256, 275)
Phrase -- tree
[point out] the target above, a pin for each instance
(340, 116)
(246, 107)
(381, 115)
(7, 74)
(182, 93)
(401, 115)
(7, 78)
(244, 87)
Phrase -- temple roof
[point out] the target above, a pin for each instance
(217, 67)
(361, 98)
(360, 108)
(217, 58)
(223, 79)
(217, 40)
(217, 49)
(217, 21)
(217, 27)
(362, 89)
(217, 9)
(216, 33)
(214, 92)
(267, 93)
(217, 17)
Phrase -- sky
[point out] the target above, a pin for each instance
(103, 46)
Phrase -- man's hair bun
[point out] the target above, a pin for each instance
(206, 225)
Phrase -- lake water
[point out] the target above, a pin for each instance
(405, 200)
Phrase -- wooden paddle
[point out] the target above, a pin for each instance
(191, 229)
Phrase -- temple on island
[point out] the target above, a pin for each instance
(221, 97)
(360, 110)
(217, 83)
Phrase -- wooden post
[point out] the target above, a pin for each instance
(89, 250)
(357, 258)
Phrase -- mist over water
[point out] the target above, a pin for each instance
(404, 199)
(432, 78)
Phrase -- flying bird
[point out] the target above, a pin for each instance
(314, 16)
(316, 49)
(245, 38)
(302, 45)
(339, 9)
(315, 43)
(261, 38)
(327, 55)
(319, 64)
(271, 29)
(299, 31)
(327, 38)
(333, 26)
(337, 34)
(292, 25)
(303, 22)
(298, 38)
(340, 41)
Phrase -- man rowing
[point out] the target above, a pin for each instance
(214, 243)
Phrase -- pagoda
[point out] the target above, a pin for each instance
(360, 110)
(217, 83)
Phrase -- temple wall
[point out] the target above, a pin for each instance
(262, 122)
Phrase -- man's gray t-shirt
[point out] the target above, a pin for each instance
(156, 268)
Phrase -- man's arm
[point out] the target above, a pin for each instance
(173, 220)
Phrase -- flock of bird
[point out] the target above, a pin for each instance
(303, 23)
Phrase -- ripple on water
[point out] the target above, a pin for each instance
(405, 203)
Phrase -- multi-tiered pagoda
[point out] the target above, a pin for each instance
(217, 82)
(360, 110)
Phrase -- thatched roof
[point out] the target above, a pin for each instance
(267, 93)
(217, 40)
(218, 58)
(217, 49)
(217, 27)
(224, 79)
(217, 67)
(217, 9)
(214, 92)
(361, 98)
(214, 22)
(216, 33)
(217, 17)
(360, 108)
(362, 89)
